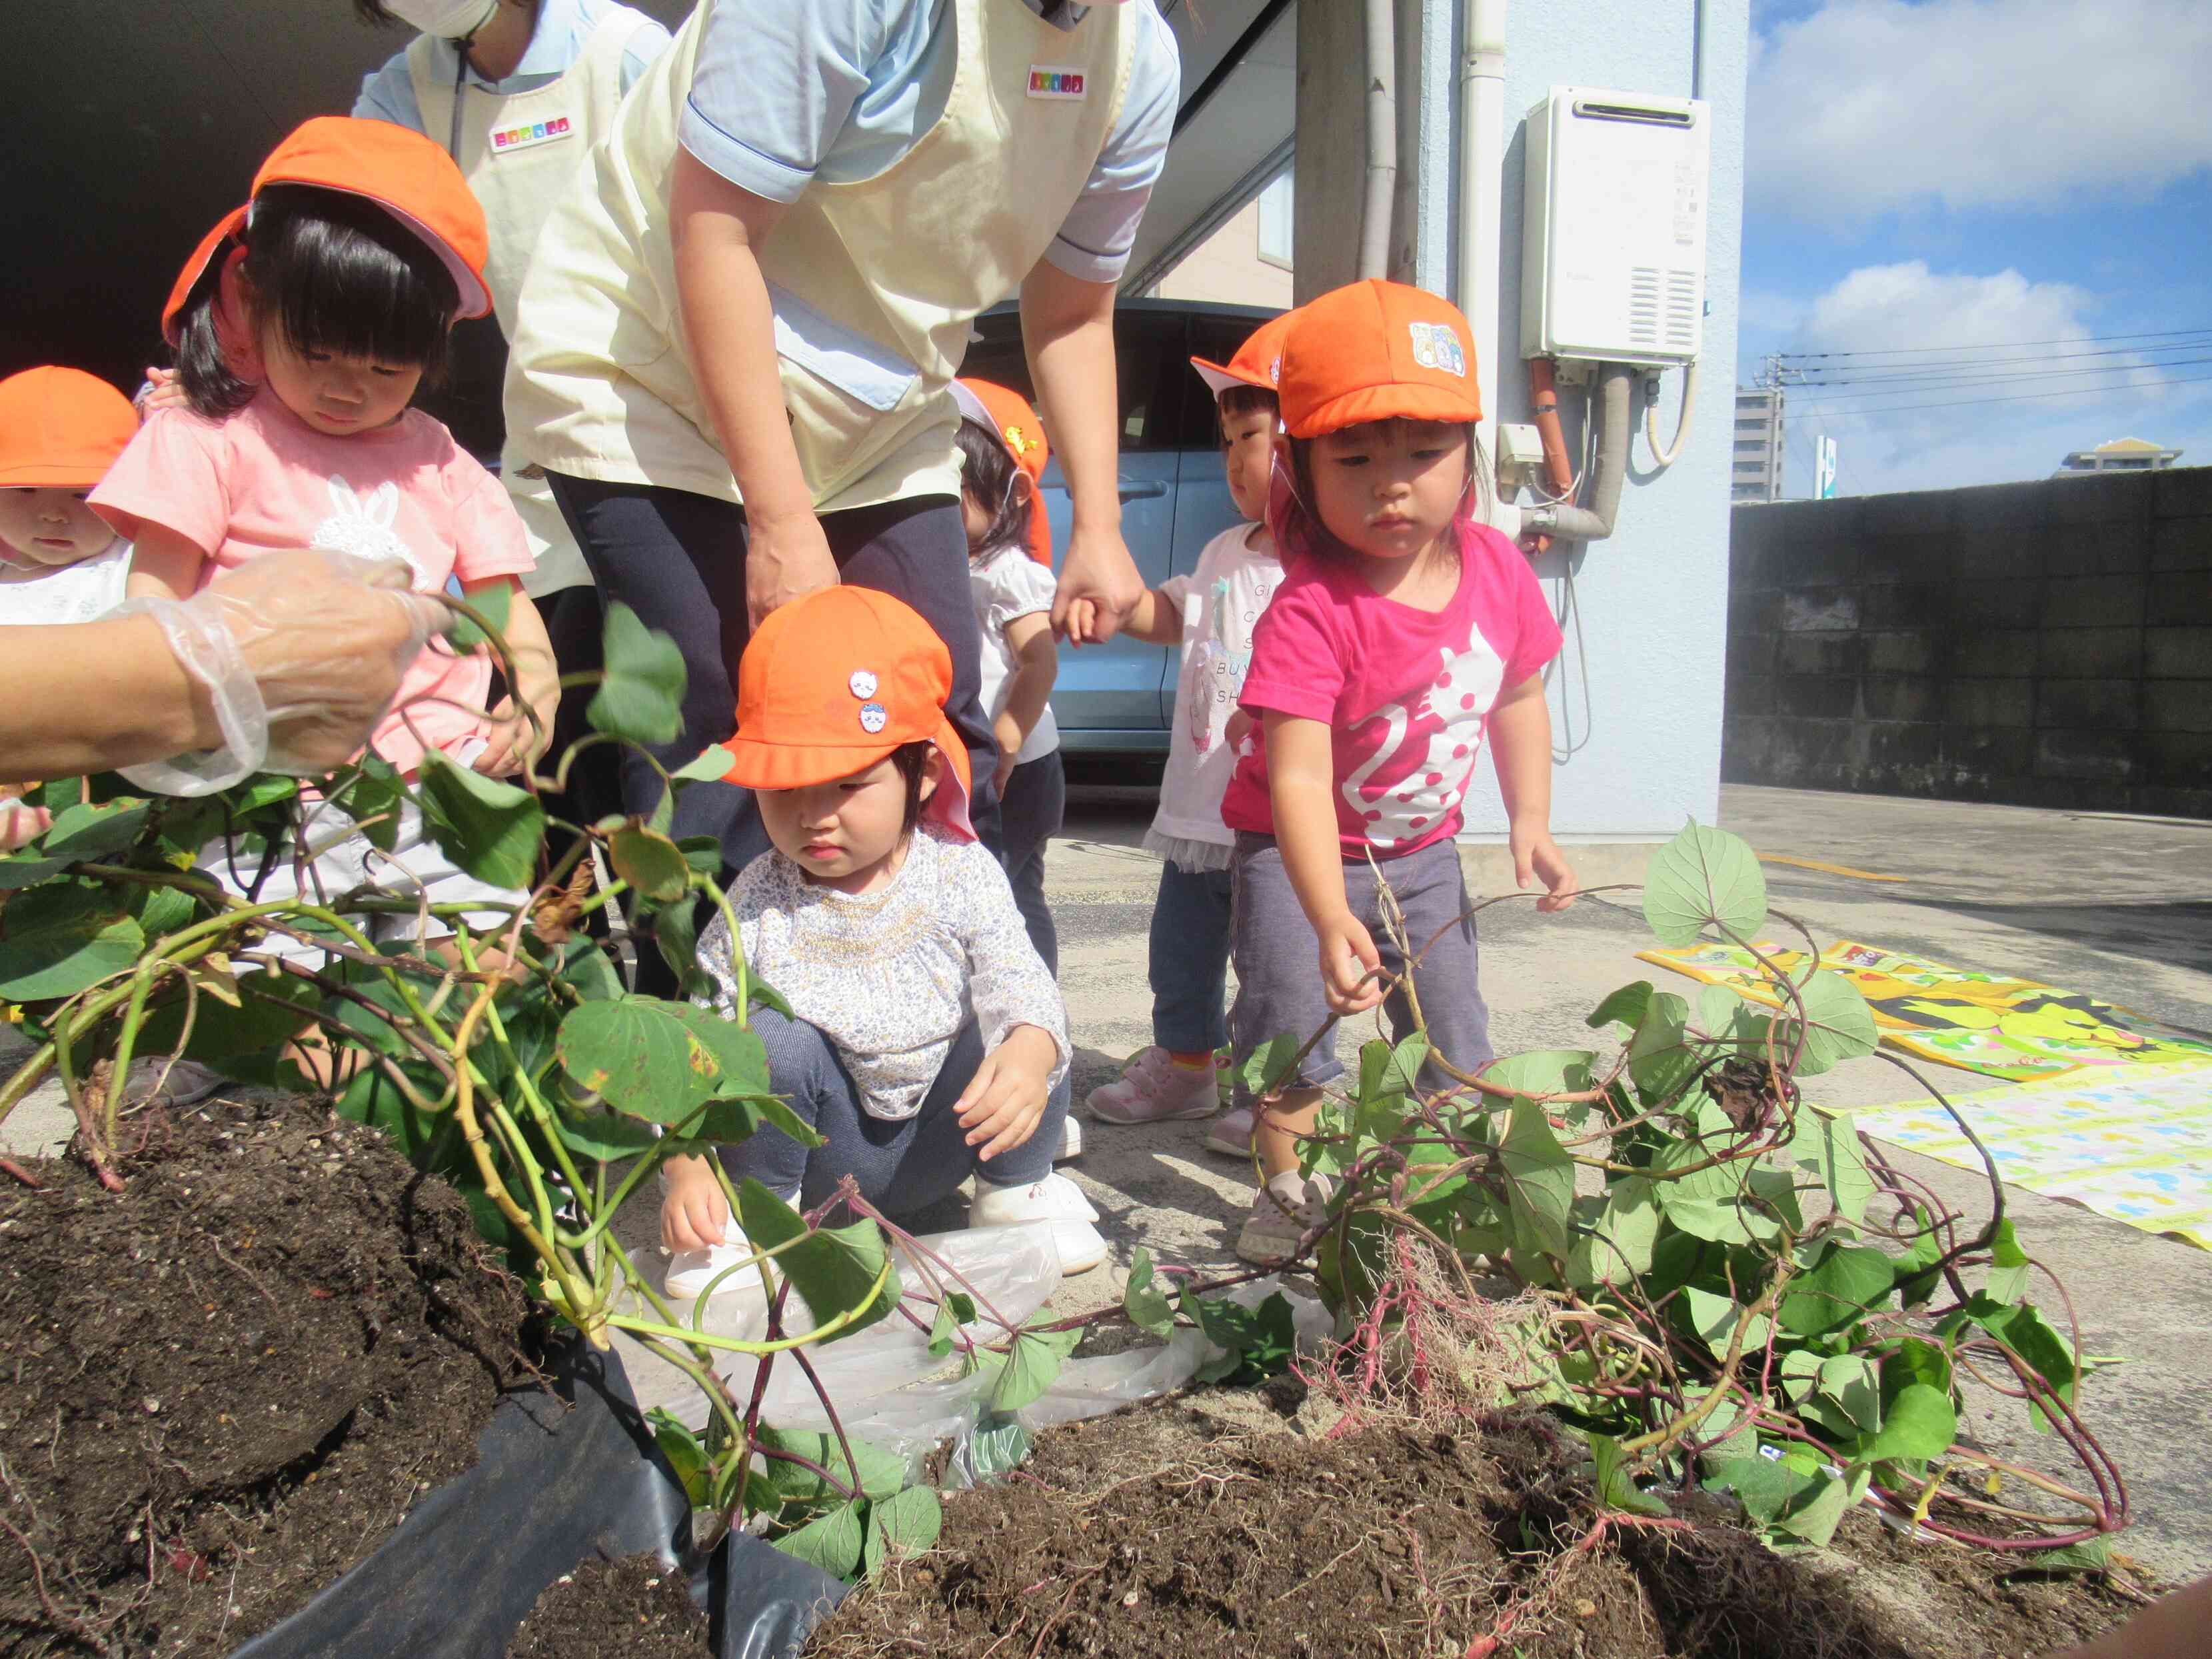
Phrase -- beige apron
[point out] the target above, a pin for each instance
(521, 154)
(874, 284)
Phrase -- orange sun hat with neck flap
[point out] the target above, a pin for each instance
(408, 176)
(1377, 351)
(61, 429)
(1257, 362)
(833, 682)
(1004, 410)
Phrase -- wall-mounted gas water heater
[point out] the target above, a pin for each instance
(1613, 285)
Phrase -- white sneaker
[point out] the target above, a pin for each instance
(1071, 1139)
(1284, 1212)
(1055, 1198)
(690, 1272)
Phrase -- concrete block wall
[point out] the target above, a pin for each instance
(2044, 644)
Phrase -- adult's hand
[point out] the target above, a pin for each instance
(1099, 586)
(787, 558)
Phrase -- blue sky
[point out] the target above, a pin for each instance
(1927, 175)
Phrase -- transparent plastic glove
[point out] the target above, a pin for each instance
(301, 653)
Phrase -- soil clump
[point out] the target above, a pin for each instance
(225, 1384)
(636, 1609)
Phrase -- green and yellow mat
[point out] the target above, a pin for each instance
(2018, 1029)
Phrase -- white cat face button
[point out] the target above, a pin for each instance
(872, 717)
(863, 684)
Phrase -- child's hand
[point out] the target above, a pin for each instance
(20, 823)
(510, 742)
(1002, 1103)
(1347, 957)
(693, 1214)
(1537, 856)
(1238, 729)
(163, 390)
(1010, 739)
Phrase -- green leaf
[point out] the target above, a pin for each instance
(1660, 1058)
(1714, 1318)
(734, 1118)
(164, 910)
(1919, 1427)
(712, 762)
(876, 1472)
(608, 1137)
(996, 1448)
(907, 1524)
(675, 934)
(1621, 1236)
(1710, 1203)
(1543, 1071)
(2093, 1555)
(1719, 1008)
(1703, 877)
(641, 697)
(1625, 1006)
(495, 605)
(374, 798)
(955, 1311)
(1813, 1517)
(84, 834)
(1838, 1024)
(1847, 1382)
(1255, 1342)
(489, 829)
(1828, 1142)
(1847, 1281)
(1269, 1064)
(1916, 1278)
(263, 790)
(834, 1268)
(684, 1452)
(1541, 1189)
(1035, 1361)
(1615, 1490)
(831, 1542)
(1143, 1300)
(582, 966)
(659, 1060)
(652, 864)
(1915, 1361)
(2007, 1277)
(2023, 1328)
(55, 941)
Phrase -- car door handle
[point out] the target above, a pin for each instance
(1132, 490)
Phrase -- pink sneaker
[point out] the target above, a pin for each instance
(1231, 1133)
(1153, 1089)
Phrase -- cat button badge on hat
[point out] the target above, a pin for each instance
(863, 684)
(872, 718)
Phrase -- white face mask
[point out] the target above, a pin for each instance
(447, 20)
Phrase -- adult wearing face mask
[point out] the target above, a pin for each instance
(734, 348)
(517, 91)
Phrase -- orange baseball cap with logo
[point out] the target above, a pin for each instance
(60, 428)
(831, 683)
(1377, 351)
(1007, 413)
(408, 176)
(1258, 362)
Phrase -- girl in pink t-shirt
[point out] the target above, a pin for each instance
(1406, 634)
(303, 327)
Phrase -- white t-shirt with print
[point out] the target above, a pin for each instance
(79, 592)
(1221, 601)
(1007, 586)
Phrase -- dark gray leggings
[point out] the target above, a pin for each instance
(902, 1165)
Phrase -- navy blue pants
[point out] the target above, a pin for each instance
(678, 560)
(1189, 967)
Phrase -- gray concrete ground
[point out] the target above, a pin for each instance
(2114, 905)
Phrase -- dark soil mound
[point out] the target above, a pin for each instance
(1151, 1536)
(227, 1383)
(633, 1608)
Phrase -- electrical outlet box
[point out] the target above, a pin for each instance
(1519, 446)
(1613, 266)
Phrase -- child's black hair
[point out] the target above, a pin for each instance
(1243, 399)
(333, 272)
(1303, 532)
(987, 472)
(911, 760)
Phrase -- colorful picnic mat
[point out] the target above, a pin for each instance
(2013, 1029)
(2133, 1143)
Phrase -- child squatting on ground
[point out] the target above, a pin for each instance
(303, 325)
(1210, 613)
(1406, 632)
(929, 1035)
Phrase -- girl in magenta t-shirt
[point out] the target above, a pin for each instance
(1406, 634)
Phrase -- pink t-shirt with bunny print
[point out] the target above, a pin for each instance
(262, 480)
(1406, 693)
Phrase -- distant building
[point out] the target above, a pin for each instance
(1246, 262)
(1756, 475)
(2120, 455)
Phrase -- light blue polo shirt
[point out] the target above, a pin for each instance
(563, 27)
(788, 91)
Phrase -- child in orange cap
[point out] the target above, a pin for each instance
(929, 1036)
(60, 430)
(1407, 632)
(1210, 613)
(303, 325)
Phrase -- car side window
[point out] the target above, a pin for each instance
(1153, 360)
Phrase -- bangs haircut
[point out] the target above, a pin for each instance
(1240, 400)
(987, 472)
(1303, 530)
(332, 273)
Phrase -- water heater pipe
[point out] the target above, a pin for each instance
(1374, 207)
(1481, 185)
(1616, 390)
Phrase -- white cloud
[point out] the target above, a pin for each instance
(1947, 421)
(1870, 105)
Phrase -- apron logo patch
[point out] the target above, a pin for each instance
(504, 139)
(1049, 80)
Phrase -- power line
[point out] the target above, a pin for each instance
(1847, 373)
(1993, 345)
(1841, 389)
(2082, 393)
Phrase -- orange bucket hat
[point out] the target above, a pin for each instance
(831, 683)
(407, 174)
(60, 428)
(1258, 362)
(1377, 351)
(1007, 413)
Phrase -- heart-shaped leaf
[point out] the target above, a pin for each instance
(489, 829)
(1703, 878)
(641, 698)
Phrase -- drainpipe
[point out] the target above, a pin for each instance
(1615, 385)
(1481, 183)
(1382, 139)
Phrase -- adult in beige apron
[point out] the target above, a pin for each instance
(766, 412)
